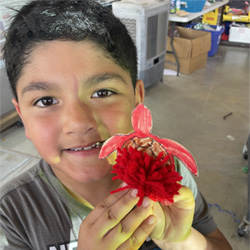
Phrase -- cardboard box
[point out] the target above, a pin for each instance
(191, 47)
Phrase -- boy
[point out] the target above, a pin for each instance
(72, 68)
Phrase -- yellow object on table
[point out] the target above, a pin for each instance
(235, 18)
(211, 17)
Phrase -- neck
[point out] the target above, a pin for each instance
(92, 192)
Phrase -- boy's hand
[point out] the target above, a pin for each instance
(174, 222)
(117, 223)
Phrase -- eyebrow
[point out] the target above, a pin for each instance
(39, 86)
(94, 80)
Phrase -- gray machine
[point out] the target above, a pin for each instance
(147, 23)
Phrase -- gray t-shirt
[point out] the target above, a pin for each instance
(36, 212)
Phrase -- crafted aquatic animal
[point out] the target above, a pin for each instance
(146, 162)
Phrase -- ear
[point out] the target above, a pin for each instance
(15, 103)
(139, 92)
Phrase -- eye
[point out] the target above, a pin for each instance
(102, 93)
(45, 102)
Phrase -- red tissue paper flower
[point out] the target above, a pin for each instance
(146, 162)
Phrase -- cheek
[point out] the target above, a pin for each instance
(42, 133)
(118, 119)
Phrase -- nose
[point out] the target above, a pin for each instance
(78, 118)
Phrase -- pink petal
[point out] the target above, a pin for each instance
(180, 152)
(142, 119)
(113, 143)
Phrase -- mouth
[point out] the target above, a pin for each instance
(93, 146)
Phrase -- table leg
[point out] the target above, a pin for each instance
(173, 49)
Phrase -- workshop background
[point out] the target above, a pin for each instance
(206, 110)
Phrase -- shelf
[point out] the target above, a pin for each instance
(235, 18)
(234, 44)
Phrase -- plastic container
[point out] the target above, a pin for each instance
(239, 34)
(178, 5)
(192, 5)
(215, 38)
(172, 7)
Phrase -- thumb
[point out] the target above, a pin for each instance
(185, 199)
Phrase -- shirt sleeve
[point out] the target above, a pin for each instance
(203, 220)
(9, 239)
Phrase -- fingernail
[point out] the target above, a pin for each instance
(145, 202)
(151, 220)
(134, 193)
(124, 184)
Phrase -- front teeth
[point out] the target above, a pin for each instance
(96, 145)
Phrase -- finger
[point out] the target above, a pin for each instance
(110, 212)
(115, 213)
(140, 234)
(185, 198)
(106, 215)
(129, 224)
(106, 204)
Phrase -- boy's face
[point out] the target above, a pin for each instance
(72, 98)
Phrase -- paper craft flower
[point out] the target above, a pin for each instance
(146, 162)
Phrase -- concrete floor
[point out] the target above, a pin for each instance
(190, 109)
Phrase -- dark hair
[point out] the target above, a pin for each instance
(48, 20)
